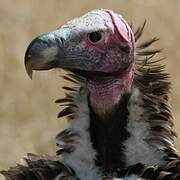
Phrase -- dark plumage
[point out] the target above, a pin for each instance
(39, 168)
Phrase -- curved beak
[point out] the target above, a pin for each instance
(43, 53)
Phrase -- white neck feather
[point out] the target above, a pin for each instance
(82, 159)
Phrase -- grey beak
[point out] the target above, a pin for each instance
(42, 53)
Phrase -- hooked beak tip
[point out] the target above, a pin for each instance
(41, 54)
(29, 68)
(30, 74)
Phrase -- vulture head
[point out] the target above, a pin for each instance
(98, 46)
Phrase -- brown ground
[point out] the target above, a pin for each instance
(27, 113)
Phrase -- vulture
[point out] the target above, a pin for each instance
(120, 125)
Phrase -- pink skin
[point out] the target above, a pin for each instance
(106, 93)
(119, 34)
(121, 28)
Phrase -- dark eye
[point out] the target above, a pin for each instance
(95, 36)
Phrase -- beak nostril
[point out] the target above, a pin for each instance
(62, 41)
(59, 41)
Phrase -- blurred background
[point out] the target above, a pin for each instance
(28, 120)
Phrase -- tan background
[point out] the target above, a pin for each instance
(27, 113)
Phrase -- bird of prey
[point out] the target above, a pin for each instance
(120, 124)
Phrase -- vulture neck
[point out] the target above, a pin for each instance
(120, 140)
(140, 129)
(105, 94)
(108, 135)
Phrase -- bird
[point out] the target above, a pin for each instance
(120, 123)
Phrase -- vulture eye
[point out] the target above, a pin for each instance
(95, 37)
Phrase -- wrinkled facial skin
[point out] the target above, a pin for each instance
(69, 47)
(108, 55)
